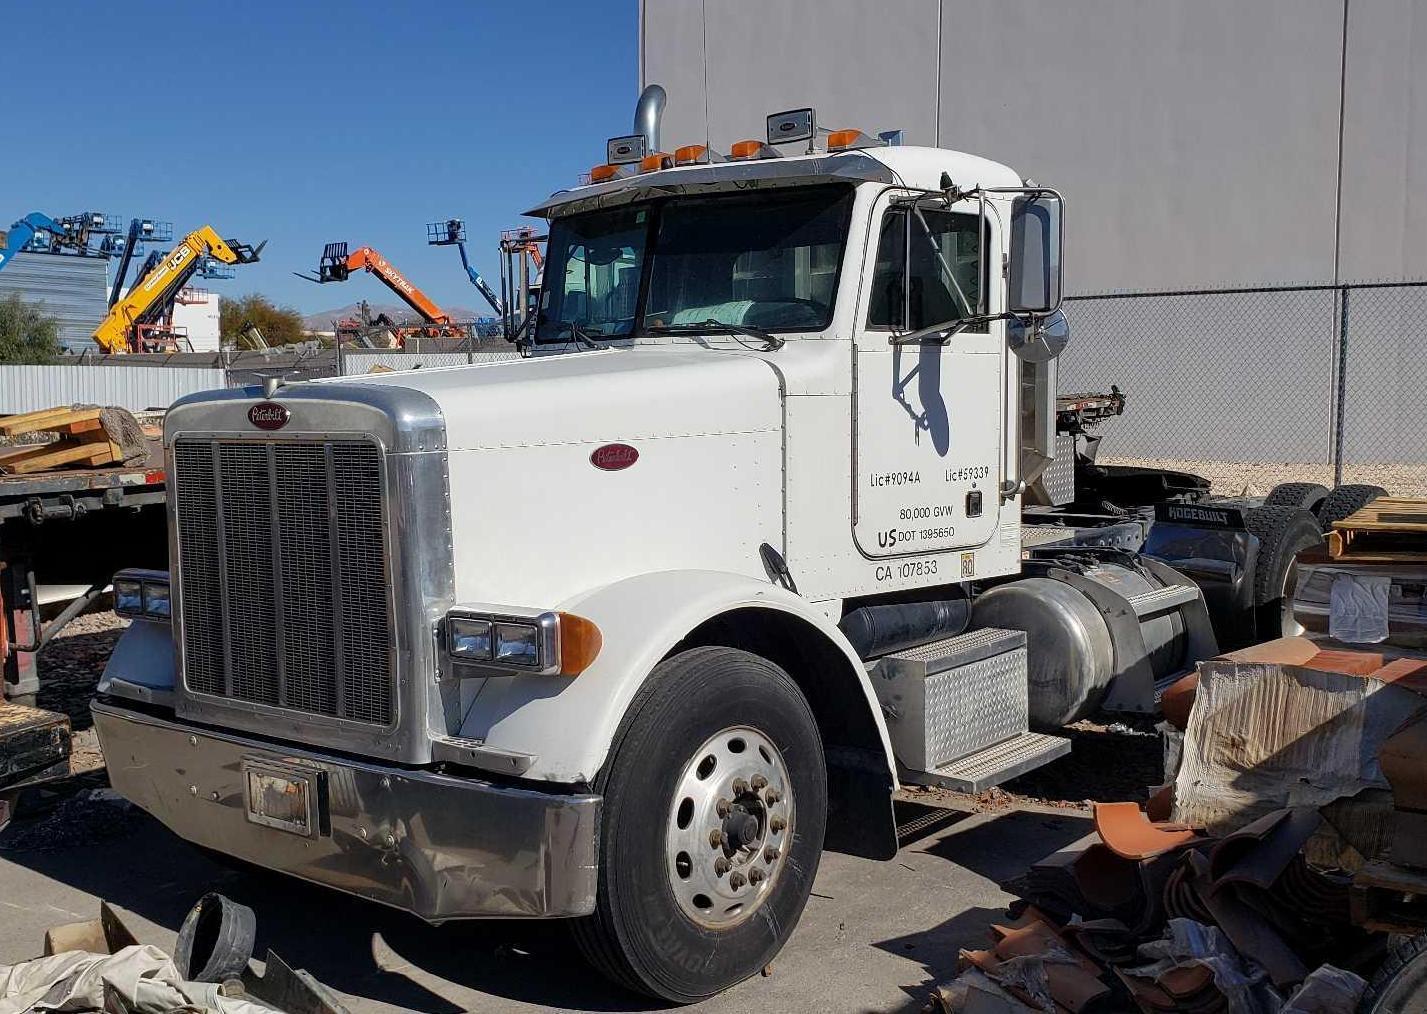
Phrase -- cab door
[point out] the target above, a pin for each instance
(928, 416)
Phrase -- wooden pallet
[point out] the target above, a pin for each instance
(88, 436)
(1389, 528)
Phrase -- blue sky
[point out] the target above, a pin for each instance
(303, 123)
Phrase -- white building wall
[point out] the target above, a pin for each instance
(197, 312)
(1196, 141)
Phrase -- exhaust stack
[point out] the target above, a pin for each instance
(647, 113)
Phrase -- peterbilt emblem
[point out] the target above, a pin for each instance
(268, 415)
(613, 457)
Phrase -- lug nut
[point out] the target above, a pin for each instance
(758, 782)
(770, 854)
(721, 866)
(755, 875)
(715, 837)
(723, 807)
(772, 796)
(777, 824)
(737, 880)
(739, 786)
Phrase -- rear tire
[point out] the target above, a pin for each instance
(657, 928)
(1400, 985)
(1282, 533)
(1344, 501)
(1305, 495)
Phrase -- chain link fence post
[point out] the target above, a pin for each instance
(1341, 407)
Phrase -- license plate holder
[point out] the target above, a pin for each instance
(282, 796)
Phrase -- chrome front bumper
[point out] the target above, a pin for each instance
(435, 845)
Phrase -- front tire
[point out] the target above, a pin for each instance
(715, 803)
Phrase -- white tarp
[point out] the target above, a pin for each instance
(139, 979)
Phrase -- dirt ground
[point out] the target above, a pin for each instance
(1236, 478)
(875, 935)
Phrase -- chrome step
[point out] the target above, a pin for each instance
(1162, 600)
(994, 764)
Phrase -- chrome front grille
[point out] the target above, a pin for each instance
(283, 575)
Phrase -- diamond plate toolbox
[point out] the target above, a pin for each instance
(955, 696)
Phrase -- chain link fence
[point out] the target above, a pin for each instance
(1253, 386)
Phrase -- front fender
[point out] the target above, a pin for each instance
(143, 665)
(569, 724)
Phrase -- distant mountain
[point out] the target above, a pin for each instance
(322, 320)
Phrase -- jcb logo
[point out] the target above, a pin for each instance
(178, 257)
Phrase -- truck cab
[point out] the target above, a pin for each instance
(630, 629)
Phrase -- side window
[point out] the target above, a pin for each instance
(926, 270)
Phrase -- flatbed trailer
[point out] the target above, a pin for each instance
(69, 527)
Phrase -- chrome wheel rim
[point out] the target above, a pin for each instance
(730, 824)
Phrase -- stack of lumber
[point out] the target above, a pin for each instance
(84, 436)
(1388, 529)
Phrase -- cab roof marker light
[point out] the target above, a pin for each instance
(846, 140)
(604, 173)
(696, 154)
(655, 161)
(743, 151)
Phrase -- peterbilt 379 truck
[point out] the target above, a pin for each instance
(629, 633)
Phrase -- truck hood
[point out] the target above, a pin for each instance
(596, 397)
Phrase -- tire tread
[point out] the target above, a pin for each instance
(598, 935)
(1346, 500)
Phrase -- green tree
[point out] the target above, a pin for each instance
(28, 335)
(280, 325)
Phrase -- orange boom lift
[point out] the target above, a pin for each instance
(337, 265)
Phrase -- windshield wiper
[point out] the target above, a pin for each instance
(581, 336)
(771, 341)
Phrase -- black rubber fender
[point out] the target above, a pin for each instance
(216, 939)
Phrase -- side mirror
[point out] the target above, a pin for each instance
(1034, 275)
(1038, 339)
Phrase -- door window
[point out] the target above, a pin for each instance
(926, 271)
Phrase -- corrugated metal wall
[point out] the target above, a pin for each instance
(30, 388)
(71, 288)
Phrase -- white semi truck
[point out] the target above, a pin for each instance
(628, 634)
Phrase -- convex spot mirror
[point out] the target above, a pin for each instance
(1038, 339)
(1034, 275)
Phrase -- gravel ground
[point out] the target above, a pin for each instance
(1234, 478)
(1108, 762)
(70, 666)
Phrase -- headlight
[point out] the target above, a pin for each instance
(517, 644)
(156, 600)
(143, 595)
(547, 643)
(128, 597)
(468, 638)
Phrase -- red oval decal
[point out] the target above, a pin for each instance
(613, 457)
(268, 415)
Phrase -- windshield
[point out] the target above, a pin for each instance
(591, 278)
(768, 261)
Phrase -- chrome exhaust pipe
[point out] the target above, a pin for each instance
(647, 113)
